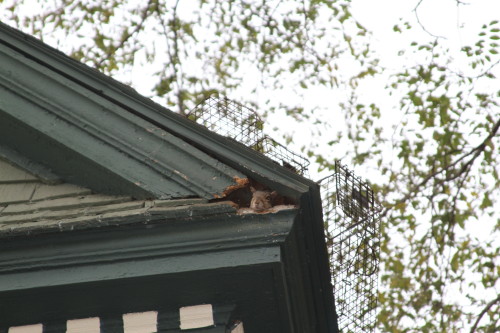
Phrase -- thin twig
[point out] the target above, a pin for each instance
(173, 55)
(138, 27)
(420, 23)
(486, 308)
(474, 152)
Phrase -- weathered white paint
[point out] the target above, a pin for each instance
(197, 316)
(140, 322)
(87, 325)
(238, 328)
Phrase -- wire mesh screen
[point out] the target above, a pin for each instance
(229, 118)
(282, 155)
(234, 120)
(352, 221)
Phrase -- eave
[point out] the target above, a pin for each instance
(170, 261)
(125, 105)
(80, 127)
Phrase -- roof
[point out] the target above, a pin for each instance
(92, 173)
(66, 107)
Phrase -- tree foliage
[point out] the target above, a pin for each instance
(433, 157)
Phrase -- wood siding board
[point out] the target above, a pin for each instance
(121, 205)
(11, 174)
(86, 201)
(179, 202)
(48, 217)
(103, 216)
(70, 222)
(194, 210)
(46, 192)
(21, 191)
(15, 193)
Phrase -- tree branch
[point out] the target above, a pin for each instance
(420, 23)
(173, 54)
(465, 167)
(486, 308)
(125, 38)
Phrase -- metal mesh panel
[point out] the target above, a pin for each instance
(352, 221)
(282, 155)
(349, 208)
(231, 119)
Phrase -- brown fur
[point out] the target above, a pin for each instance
(261, 200)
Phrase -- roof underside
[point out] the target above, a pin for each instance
(28, 206)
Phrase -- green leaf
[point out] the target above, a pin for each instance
(486, 201)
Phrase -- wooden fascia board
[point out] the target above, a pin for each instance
(319, 277)
(96, 129)
(138, 250)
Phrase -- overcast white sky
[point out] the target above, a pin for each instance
(438, 17)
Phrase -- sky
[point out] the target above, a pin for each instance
(456, 26)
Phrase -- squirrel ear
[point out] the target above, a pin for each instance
(274, 194)
(252, 189)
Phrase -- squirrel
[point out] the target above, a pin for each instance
(265, 201)
(254, 198)
(262, 200)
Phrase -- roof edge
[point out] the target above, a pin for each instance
(148, 155)
(228, 151)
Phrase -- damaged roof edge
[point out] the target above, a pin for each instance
(231, 153)
(129, 147)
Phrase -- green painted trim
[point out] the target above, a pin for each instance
(16, 160)
(102, 87)
(142, 267)
(89, 127)
(161, 248)
(312, 233)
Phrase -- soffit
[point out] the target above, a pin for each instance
(28, 206)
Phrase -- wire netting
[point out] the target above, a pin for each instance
(282, 155)
(352, 221)
(350, 212)
(234, 120)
